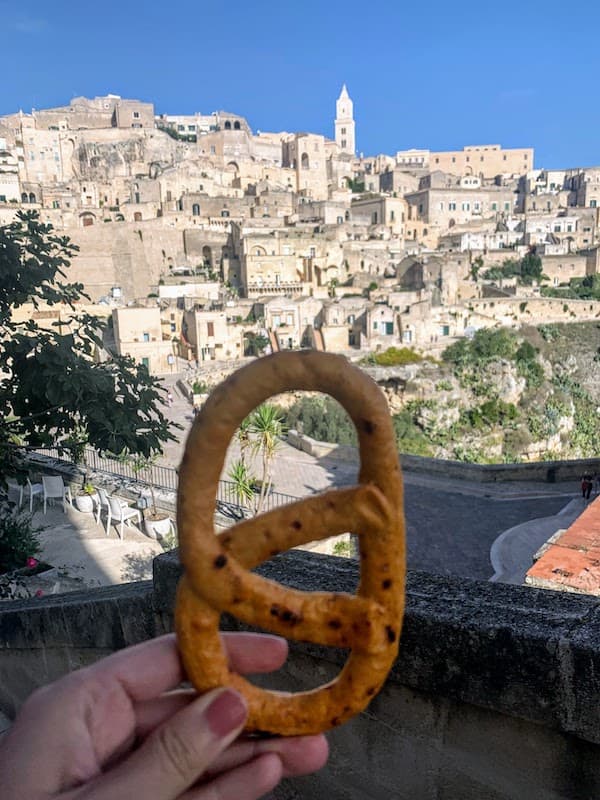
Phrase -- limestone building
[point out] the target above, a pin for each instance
(344, 122)
(486, 160)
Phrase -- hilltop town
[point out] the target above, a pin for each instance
(207, 241)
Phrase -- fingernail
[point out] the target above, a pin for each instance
(226, 713)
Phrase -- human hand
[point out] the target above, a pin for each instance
(118, 729)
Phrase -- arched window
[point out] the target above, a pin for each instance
(32, 197)
(137, 217)
(196, 210)
(224, 213)
(24, 198)
(304, 161)
(236, 125)
(228, 126)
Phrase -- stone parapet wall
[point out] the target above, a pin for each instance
(494, 694)
(534, 471)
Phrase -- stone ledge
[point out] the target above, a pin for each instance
(531, 654)
(528, 654)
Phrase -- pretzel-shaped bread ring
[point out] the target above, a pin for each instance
(217, 576)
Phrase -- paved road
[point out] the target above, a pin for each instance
(451, 524)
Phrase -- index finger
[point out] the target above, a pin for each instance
(149, 669)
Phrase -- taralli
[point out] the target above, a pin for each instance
(217, 568)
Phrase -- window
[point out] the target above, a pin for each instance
(191, 127)
(343, 131)
(136, 114)
(453, 160)
(145, 337)
(290, 319)
(276, 320)
(494, 206)
(466, 206)
(343, 143)
(392, 216)
(441, 206)
(210, 328)
(507, 206)
(312, 252)
(181, 127)
(374, 218)
(593, 203)
(375, 326)
(451, 206)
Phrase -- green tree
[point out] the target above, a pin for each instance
(53, 389)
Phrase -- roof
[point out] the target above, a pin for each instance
(571, 560)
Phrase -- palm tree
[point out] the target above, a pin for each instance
(266, 427)
(243, 483)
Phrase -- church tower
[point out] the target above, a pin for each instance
(344, 122)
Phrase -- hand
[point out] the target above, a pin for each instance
(119, 729)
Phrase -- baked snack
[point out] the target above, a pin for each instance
(217, 576)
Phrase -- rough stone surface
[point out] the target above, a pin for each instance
(494, 695)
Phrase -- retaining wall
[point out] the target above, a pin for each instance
(494, 695)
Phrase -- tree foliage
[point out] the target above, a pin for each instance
(527, 270)
(323, 419)
(53, 389)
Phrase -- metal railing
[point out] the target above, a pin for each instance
(166, 478)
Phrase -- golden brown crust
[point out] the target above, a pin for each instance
(216, 567)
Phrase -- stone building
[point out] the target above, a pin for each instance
(138, 333)
(305, 154)
(485, 160)
(214, 335)
(133, 114)
(10, 187)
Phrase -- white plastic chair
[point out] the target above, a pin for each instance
(54, 489)
(102, 504)
(122, 514)
(15, 486)
(34, 489)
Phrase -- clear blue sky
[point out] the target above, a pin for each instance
(434, 74)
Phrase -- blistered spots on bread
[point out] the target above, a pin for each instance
(368, 426)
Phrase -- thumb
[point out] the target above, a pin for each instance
(175, 755)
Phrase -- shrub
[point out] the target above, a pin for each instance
(18, 540)
(323, 419)
(393, 357)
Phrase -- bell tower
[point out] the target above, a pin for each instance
(344, 123)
